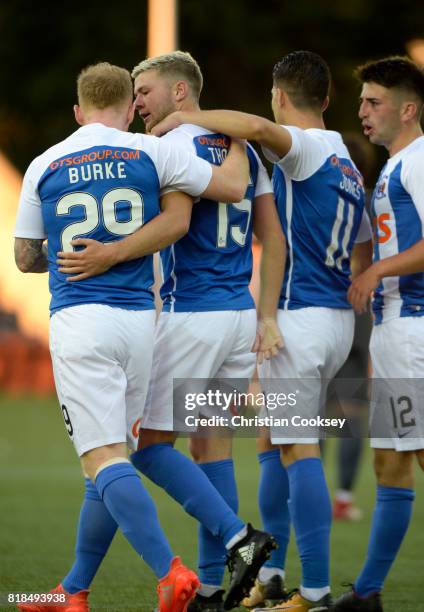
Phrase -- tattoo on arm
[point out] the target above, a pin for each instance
(31, 255)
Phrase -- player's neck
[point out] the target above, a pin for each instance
(404, 138)
(303, 120)
(189, 106)
(107, 117)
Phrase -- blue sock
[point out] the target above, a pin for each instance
(185, 482)
(273, 497)
(212, 552)
(389, 525)
(96, 529)
(133, 509)
(310, 510)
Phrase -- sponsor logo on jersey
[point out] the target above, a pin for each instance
(211, 141)
(382, 230)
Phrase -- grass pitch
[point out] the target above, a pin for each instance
(41, 491)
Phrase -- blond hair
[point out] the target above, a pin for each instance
(178, 65)
(102, 85)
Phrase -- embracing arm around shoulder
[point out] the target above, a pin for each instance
(234, 124)
(229, 181)
(164, 229)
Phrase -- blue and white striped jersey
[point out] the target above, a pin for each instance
(210, 268)
(104, 184)
(320, 199)
(398, 219)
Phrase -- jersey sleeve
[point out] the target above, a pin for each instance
(181, 170)
(411, 177)
(364, 233)
(307, 153)
(263, 184)
(29, 220)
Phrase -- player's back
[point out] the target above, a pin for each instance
(320, 200)
(99, 183)
(398, 220)
(210, 268)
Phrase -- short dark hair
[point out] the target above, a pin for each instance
(305, 76)
(394, 72)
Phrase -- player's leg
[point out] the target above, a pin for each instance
(395, 419)
(177, 357)
(91, 385)
(349, 454)
(317, 341)
(211, 447)
(350, 448)
(273, 496)
(212, 452)
(392, 514)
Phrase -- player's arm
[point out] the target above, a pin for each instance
(229, 181)
(267, 228)
(164, 229)
(234, 124)
(30, 234)
(409, 261)
(31, 255)
(361, 258)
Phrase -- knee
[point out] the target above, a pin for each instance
(294, 452)
(206, 450)
(92, 461)
(394, 469)
(148, 437)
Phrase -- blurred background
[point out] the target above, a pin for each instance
(236, 43)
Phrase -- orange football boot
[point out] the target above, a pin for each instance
(60, 601)
(177, 588)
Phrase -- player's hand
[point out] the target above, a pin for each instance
(166, 125)
(268, 339)
(362, 289)
(93, 260)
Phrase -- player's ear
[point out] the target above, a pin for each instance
(180, 91)
(79, 118)
(325, 104)
(408, 111)
(130, 113)
(281, 97)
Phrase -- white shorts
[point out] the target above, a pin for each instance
(102, 360)
(317, 342)
(397, 406)
(196, 345)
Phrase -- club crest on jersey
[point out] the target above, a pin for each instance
(380, 189)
